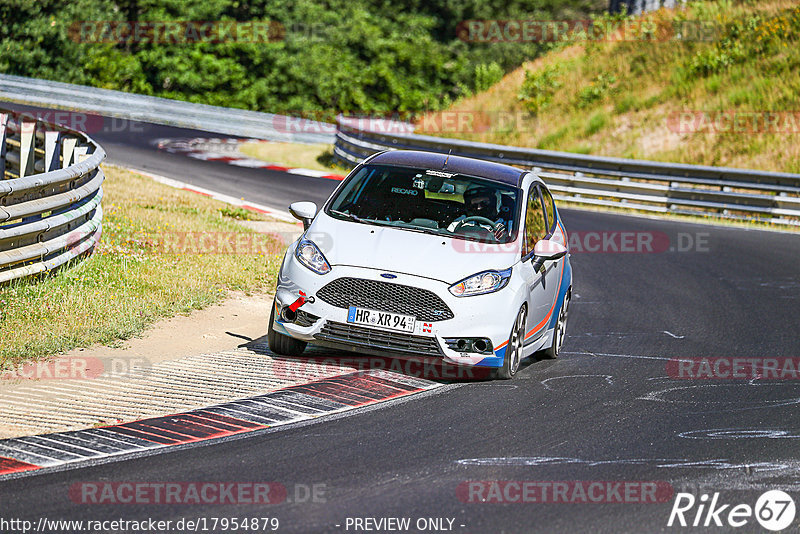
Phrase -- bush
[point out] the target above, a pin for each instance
(597, 89)
(539, 87)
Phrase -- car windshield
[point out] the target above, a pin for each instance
(429, 201)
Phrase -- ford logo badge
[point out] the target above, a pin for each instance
(387, 275)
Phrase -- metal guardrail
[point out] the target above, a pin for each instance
(50, 193)
(649, 186)
(130, 106)
(637, 7)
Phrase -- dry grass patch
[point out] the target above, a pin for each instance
(144, 269)
(318, 157)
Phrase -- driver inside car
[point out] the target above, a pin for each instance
(484, 202)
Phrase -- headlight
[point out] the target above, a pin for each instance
(481, 283)
(309, 255)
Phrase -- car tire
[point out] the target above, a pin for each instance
(281, 344)
(560, 331)
(514, 349)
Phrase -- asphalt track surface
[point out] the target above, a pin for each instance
(608, 410)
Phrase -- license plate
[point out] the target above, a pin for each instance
(380, 319)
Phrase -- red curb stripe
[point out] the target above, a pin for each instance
(145, 436)
(326, 395)
(227, 159)
(224, 419)
(192, 430)
(9, 465)
(160, 429)
(342, 388)
(377, 391)
(251, 208)
(395, 386)
(198, 192)
(335, 392)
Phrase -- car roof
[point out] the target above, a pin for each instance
(489, 170)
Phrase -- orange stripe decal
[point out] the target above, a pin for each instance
(550, 313)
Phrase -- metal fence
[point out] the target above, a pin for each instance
(637, 7)
(648, 186)
(50, 195)
(129, 106)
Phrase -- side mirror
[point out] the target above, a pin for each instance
(304, 211)
(547, 250)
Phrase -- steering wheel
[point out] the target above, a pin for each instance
(474, 219)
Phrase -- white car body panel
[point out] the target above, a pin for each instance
(434, 263)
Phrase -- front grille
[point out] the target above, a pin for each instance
(383, 296)
(378, 339)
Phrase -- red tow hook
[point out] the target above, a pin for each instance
(299, 302)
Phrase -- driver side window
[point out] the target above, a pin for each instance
(535, 227)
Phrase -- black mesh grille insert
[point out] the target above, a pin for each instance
(305, 319)
(384, 296)
(379, 339)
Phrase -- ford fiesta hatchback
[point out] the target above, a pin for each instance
(425, 254)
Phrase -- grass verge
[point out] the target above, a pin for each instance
(154, 261)
(666, 99)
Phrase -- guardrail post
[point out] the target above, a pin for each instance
(27, 144)
(3, 124)
(578, 175)
(51, 154)
(41, 195)
(81, 153)
(67, 151)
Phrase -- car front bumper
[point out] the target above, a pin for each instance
(483, 316)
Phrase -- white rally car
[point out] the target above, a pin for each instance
(425, 254)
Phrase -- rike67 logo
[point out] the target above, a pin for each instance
(774, 510)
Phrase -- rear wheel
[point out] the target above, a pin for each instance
(281, 344)
(514, 348)
(560, 331)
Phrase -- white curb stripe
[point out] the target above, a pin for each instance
(278, 214)
(189, 147)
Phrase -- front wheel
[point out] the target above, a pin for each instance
(560, 331)
(281, 344)
(514, 348)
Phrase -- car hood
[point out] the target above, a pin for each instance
(402, 251)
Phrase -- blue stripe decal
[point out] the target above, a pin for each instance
(493, 361)
(566, 281)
